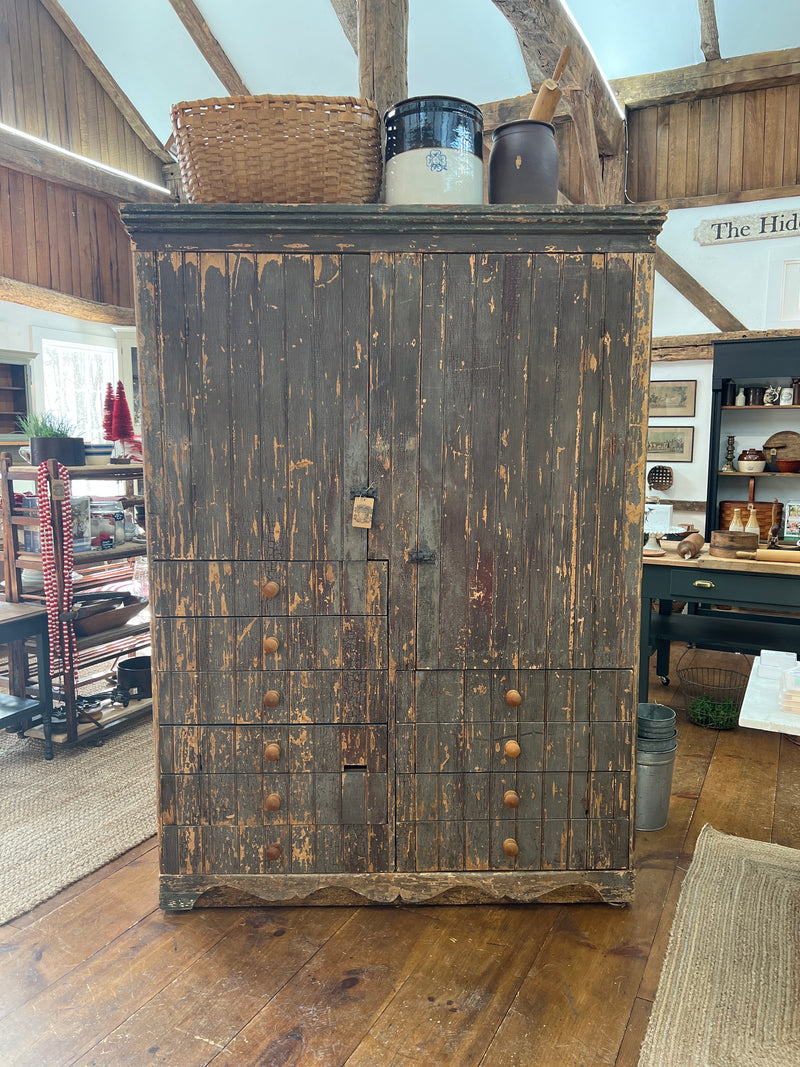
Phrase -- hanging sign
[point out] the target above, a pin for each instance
(748, 228)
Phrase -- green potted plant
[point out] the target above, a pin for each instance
(50, 436)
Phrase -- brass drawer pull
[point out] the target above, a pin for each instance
(701, 584)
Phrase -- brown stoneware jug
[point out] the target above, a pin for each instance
(523, 164)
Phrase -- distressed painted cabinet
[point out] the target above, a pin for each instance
(439, 707)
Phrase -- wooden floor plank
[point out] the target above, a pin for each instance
(460, 990)
(33, 959)
(738, 795)
(786, 826)
(634, 1034)
(197, 1014)
(73, 1014)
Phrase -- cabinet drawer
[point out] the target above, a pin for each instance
(230, 643)
(268, 587)
(238, 698)
(721, 587)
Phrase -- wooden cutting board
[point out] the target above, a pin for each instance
(787, 442)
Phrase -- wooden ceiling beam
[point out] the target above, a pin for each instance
(693, 291)
(544, 28)
(21, 153)
(210, 48)
(347, 14)
(109, 86)
(35, 296)
(740, 74)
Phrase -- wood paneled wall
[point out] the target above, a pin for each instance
(58, 238)
(47, 90)
(743, 145)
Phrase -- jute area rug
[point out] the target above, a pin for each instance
(729, 993)
(63, 818)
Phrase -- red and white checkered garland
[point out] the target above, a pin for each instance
(63, 648)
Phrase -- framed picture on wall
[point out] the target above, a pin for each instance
(672, 399)
(791, 521)
(670, 444)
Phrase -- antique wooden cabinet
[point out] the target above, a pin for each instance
(439, 706)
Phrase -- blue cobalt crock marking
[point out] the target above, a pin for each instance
(436, 160)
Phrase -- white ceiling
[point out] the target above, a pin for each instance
(463, 48)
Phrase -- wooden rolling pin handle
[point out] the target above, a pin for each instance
(546, 102)
(690, 546)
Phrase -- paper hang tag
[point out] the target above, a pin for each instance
(57, 491)
(362, 512)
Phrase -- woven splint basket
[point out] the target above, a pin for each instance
(278, 150)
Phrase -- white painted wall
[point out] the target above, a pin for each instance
(747, 278)
(759, 282)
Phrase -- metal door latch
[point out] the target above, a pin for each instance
(421, 556)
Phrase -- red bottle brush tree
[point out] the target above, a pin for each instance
(121, 421)
(108, 413)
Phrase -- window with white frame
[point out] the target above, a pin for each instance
(75, 379)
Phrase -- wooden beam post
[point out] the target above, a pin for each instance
(709, 35)
(578, 105)
(347, 14)
(544, 28)
(694, 292)
(212, 51)
(383, 51)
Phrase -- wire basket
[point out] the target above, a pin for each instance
(713, 695)
(278, 150)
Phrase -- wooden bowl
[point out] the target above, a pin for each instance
(788, 466)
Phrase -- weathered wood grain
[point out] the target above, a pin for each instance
(336, 703)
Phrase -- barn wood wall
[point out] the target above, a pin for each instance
(46, 90)
(741, 145)
(59, 238)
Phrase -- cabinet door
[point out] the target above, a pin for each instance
(506, 428)
(263, 361)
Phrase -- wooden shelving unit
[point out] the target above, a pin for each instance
(98, 570)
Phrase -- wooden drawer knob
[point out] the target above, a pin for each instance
(272, 698)
(512, 749)
(270, 589)
(271, 644)
(511, 798)
(273, 752)
(513, 698)
(273, 802)
(273, 852)
(510, 847)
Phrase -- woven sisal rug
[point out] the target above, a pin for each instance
(729, 993)
(61, 819)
